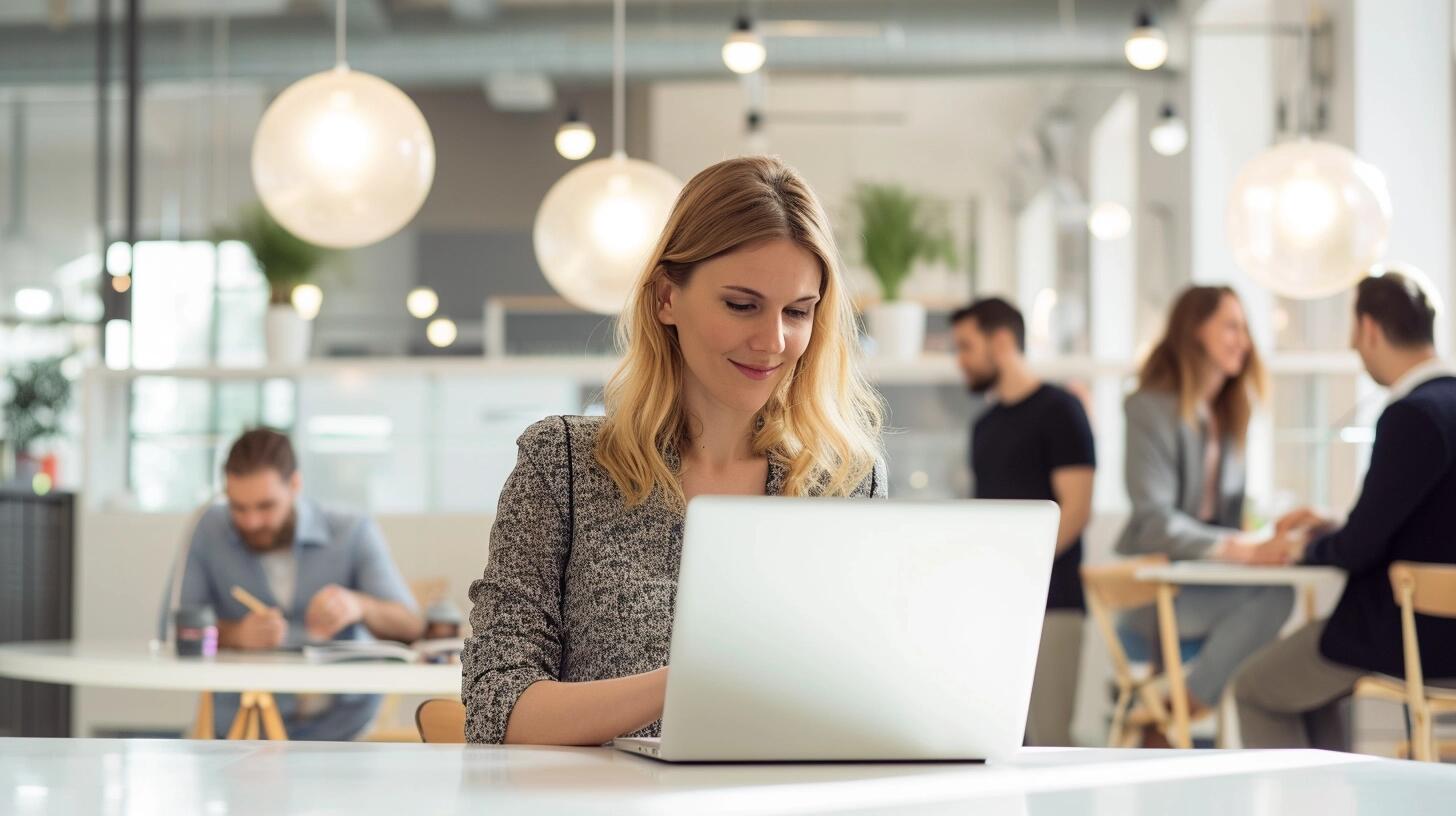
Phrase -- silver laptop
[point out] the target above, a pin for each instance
(854, 629)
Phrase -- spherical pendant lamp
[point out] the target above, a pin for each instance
(597, 226)
(599, 223)
(1307, 219)
(343, 158)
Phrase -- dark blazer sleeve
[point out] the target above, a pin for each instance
(1410, 456)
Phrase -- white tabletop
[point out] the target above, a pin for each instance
(1214, 573)
(133, 665)
(86, 776)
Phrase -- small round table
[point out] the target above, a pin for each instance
(256, 675)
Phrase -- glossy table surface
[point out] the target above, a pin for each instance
(91, 776)
(134, 665)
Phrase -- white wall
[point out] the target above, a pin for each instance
(1402, 108)
(945, 137)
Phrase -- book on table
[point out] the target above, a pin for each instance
(440, 650)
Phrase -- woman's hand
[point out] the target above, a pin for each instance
(1241, 549)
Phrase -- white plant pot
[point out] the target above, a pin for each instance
(898, 329)
(287, 336)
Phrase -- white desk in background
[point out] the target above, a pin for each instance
(1211, 573)
(82, 777)
(133, 665)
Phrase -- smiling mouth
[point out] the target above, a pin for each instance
(754, 373)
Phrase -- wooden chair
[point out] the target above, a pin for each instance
(1429, 589)
(1115, 588)
(441, 721)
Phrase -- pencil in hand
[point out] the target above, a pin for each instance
(265, 628)
(250, 600)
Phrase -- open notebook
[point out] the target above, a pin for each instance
(442, 650)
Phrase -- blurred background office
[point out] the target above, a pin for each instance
(1085, 159)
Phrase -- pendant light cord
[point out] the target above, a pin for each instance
(619, 82)
(340, 16)
(1306, 67)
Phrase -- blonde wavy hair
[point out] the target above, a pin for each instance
(1176, 361)
(824, 419)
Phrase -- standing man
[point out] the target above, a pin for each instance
(1288, 693)
(324, 576)
(1033, 443)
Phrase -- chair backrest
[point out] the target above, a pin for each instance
(1116, 587)
(1432, 587)
(441, 721)
(1429, 589)
(1113, 588)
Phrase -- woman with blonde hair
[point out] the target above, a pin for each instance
(1186, 429)
(739, 377)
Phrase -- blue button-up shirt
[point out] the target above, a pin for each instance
(329, 548)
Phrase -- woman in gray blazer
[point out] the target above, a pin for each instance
(739, 376)
(1186, 426)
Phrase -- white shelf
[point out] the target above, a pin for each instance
(928, 369)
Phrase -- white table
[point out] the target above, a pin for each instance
(256, 674)
(1212, 573)
(84, 776)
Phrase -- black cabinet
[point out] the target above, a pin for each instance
(37, 540)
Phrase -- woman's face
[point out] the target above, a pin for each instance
(1224, 337)
(743, 319)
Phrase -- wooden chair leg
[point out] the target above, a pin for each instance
(203, 727)
(252, 731)
(1310, 608)
(272, 721)
(1119, 715)
(240, 722)
(1422, 737)
(1173, 663)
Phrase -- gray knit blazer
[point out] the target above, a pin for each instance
(577, 586)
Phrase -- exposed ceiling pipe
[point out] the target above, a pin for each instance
(559, 41)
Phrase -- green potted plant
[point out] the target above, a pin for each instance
(897, 229)
(38, 396)
(287, 262)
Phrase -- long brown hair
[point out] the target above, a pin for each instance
(823, 420)
(1177, 361)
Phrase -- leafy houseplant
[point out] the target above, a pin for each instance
(39, 394)
(285, 261)
(897, 229)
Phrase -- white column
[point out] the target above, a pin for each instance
(1113, 176)
(995, 231)
(1036, 272)
(1231, 122)
(1232, 87)
(1403, 112)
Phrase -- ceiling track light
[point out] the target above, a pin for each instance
(1147, 46)
(1169, 136)
(575, 139)
(743, 51)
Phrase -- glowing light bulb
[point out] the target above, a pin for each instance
(743, 51)
(441, 332)
(343, 159)
(422, 302)
(575, 139)
(307, 300)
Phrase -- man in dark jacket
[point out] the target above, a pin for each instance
(1288, 693)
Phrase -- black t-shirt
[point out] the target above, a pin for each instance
(1015, 448)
